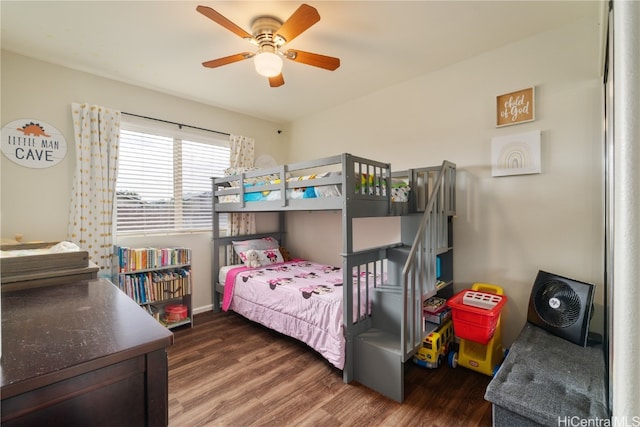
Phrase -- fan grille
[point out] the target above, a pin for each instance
(557, 304)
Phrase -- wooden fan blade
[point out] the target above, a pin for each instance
(227, 60)
(303, 18)
(218, 18)
(276, 81)
(315, 59)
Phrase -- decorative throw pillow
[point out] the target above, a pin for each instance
(400, 192)
(257, 244)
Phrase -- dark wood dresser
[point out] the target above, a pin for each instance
(81, 354)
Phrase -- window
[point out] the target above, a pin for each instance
(164, 179)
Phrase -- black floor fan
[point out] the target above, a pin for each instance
(562, 306)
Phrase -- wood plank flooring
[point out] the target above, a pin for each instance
(228, 371)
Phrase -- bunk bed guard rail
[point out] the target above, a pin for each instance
(274, 189)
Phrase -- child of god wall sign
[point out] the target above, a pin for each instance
(33, 143)
(515, 107)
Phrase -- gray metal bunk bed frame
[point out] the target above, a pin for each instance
(358, 198)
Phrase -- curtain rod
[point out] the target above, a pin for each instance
(180, 125)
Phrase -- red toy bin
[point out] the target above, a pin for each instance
(175, 312)
(474, 323)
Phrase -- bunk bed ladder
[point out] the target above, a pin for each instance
(419, 273)
(396, 325)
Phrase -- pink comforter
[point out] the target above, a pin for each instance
(299, 298)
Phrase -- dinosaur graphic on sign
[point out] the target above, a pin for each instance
(33, 129)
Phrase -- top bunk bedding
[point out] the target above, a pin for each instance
(312, 185)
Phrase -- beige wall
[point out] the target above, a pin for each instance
(35, 202)
(506, 228)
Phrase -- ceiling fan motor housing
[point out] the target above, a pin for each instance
(264, 29)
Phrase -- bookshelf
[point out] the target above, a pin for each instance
(159, 280)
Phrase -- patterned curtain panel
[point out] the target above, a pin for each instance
(242, 156)
(96, 131)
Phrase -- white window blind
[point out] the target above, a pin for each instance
(164, 181)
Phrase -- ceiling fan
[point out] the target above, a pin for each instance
(270, 34)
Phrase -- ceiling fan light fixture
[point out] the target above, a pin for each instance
(268, 64)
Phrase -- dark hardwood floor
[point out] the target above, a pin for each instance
(228, 371)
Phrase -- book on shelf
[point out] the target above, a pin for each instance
(439, 317)
(134, 259)
(440, 284)
(434, 305)
(153, 286)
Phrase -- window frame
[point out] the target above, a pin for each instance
(180, 133)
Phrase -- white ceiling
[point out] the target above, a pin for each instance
(161, 45)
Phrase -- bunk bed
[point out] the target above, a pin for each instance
(323, 306)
